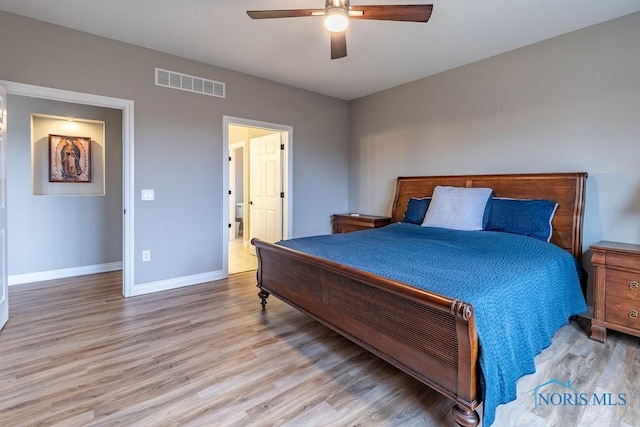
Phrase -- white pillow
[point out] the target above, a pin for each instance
(457, 208)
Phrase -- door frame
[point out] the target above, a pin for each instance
(126, 105)
(232, 216)
(287, 179)
(4, 282)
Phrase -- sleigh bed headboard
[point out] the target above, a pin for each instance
(567, 189)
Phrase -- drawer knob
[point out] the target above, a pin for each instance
(633, 285)
(633, 314)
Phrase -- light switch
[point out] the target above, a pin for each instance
(147, 195)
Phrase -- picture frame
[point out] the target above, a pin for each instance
(69, 158)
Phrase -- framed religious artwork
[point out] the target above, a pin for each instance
(69, 158)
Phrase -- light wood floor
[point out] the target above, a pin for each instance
(76, 353)
(240, 260)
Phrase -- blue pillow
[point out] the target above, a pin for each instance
(416, 209)
(526, 217)
(487, 212)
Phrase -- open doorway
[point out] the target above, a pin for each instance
(258, 203)
(126, 182)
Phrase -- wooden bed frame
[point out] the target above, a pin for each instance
(429, 336)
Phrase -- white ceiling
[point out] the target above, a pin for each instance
(295, 51)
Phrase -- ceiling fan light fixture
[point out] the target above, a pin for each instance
(336, 19)
(338, 12)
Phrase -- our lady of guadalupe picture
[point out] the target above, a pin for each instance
(69, 158)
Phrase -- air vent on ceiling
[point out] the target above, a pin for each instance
(189, 83)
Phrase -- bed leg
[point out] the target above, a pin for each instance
(465, 417)
(598, 332)
(263, 296)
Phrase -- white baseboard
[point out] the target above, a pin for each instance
(19, 279)
(144, 288)
(179, 282)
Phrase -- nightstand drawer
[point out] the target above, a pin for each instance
(624, 260)
(348, 228)
(623, 312)
(346, 223)
(625, 284)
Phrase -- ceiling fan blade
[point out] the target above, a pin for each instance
(407, 12)
(338, 45)
(293, 13)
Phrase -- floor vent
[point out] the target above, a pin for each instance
(189, 83)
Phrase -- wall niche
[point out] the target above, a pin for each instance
(44, 125)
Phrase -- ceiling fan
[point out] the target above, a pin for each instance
(338, 12)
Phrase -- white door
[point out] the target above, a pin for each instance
(265, 186)
(4, 285)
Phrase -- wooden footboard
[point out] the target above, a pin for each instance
(431, 337)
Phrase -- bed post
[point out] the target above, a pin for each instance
(464, 411)
(464, 417)
(263, 295)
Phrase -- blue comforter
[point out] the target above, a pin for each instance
(522, 289)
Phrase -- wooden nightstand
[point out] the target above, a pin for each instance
(345, 223)
(616, 295)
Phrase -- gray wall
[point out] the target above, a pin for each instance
(571, 103)
(239, 168)
(178, 138)
(56, 232)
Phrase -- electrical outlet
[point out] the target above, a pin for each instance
(146, 256)
(147, 195)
